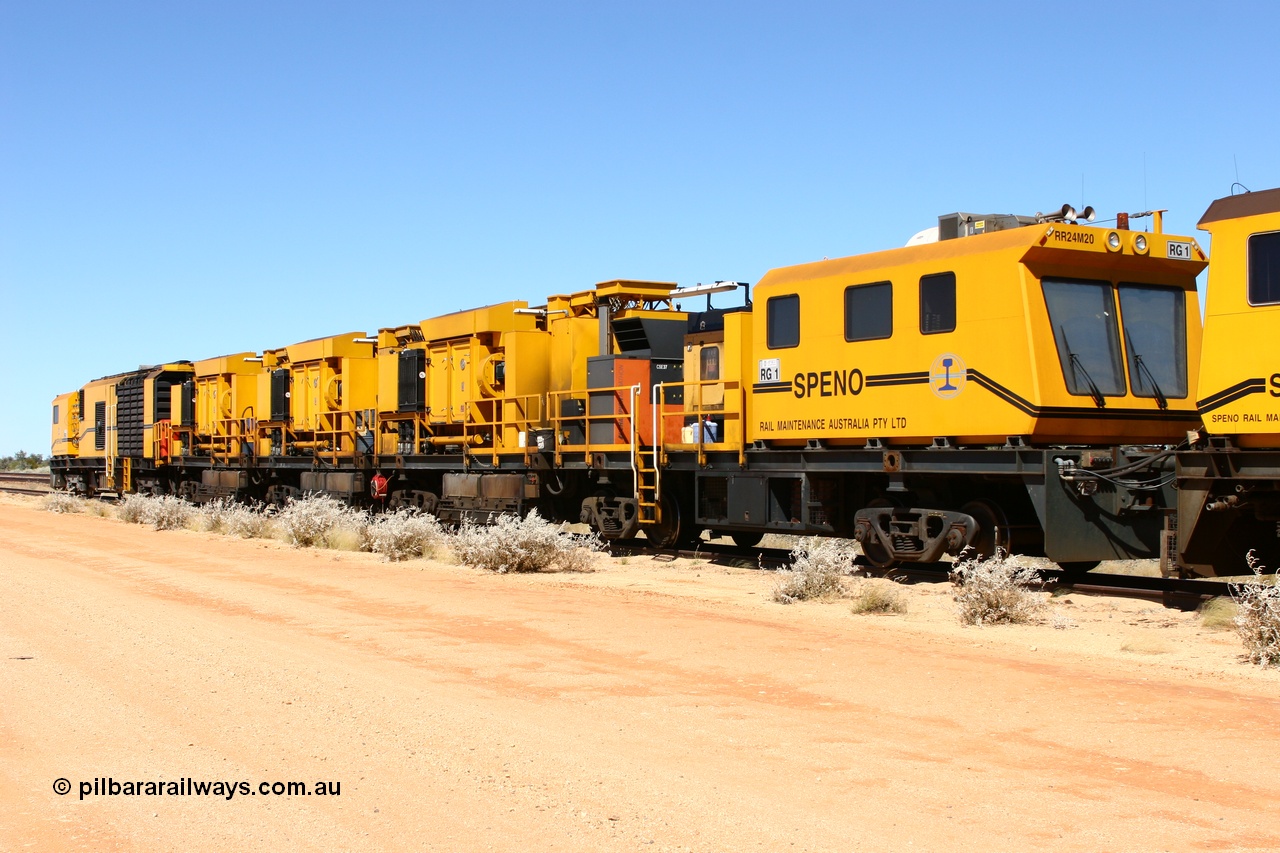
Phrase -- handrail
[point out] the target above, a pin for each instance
(697, 412)
(556, 419)
(657, 449)
(635, 473)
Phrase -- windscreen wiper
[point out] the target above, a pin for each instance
(1161, 400)
(1076, 363)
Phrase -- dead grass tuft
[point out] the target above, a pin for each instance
(1219, 614)
(876, 596)
(99, 509)
(1061, 622)
(818, 568)
(404, 534)
(530, 544)
(165, 512)
(1258, 618)
(995, 590)
(63, 502)
(321, 521)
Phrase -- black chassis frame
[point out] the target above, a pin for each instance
(1047, 515)
(1228, 506)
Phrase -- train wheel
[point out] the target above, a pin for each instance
(993, 528)
(666, 533)
(746, 540)
(676, 529)
(875, 553)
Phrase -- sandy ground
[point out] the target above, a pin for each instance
(646, 706)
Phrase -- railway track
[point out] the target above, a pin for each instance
(24, 483)
(1180, 593)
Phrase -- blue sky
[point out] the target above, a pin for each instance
(187, 180)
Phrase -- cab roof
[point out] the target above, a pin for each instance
(1238, 206)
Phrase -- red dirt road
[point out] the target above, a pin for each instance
(629, 709)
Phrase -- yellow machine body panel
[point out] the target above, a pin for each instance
(66, 425)
(162, 386)
(488, 373)
(318, 397)
(1240, 367)
(226, 402)
(573, 339)
(331, 378)
(493, 319)
(226, 389)
(98, 427)
(1048, 333)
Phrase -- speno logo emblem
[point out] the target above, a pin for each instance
(947, 375)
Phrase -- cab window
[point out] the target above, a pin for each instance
(55, 414)
(709, 362)
(1155, 339)
(1264, 269)
(868, 311)
(1083, 316)
(938, 303)
(783, 317)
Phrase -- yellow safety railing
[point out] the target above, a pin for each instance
(697, 414)
(622, 422)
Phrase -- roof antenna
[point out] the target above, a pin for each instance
(1237, 183)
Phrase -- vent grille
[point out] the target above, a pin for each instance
(280, 395)
(412, 381)
(129, 414)
(100, 426)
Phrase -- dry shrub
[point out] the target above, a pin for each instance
(1061, 622)
(236, 519)
(874, 595)
(995, 590)
(99, 509)
(164, 512)
(404, 534)
(530, 544)
(321, 521)
(818, 568)
(1219, 614)
(349, 534)
(132, 509)
(64, 502)
(212, 517)
(1258, 619)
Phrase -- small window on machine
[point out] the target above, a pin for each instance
(783, 317)
(868, 311)
(55, 414)
(1264, 269)
(709, 359)
(1155, 340)
(938, 303)
(1083, 315)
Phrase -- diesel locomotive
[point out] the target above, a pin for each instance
(1034, 384)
